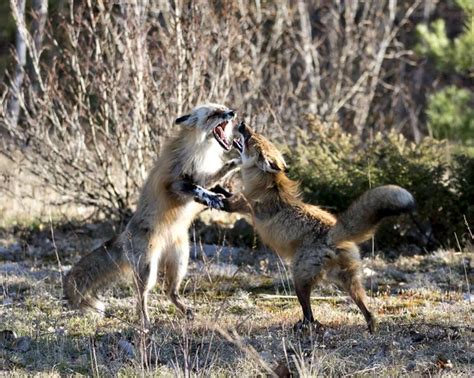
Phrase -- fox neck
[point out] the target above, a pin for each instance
(199, 156)
(269, 188)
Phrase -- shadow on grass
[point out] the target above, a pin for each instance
(211, 347)
(226, 339)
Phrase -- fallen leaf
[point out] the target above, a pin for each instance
(282, 371)
(444, 363)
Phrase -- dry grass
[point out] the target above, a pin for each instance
(425, 321)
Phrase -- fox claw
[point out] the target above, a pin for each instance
(216, 202)
(372, 325)
(304, 326)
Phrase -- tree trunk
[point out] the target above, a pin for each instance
(40, 15)
(14, 105)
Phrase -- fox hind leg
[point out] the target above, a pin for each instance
(303, 292)
(350, 280)
(176, 266)
(354, 286)
(306, 270)
(145, 276)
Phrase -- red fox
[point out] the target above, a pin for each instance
(156, 238)
(321, 246)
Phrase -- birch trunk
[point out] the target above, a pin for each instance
(20, 46)
(40, 15)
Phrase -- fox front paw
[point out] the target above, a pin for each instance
(208, 198)
(215, 202)
(218, 189)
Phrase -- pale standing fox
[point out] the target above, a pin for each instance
(156, 238)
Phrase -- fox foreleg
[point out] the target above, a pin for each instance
(201, 195)
(228, 168)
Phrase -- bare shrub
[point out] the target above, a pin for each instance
(111, 77)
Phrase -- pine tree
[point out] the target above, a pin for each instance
(450, 111)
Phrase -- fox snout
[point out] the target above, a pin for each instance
(244, 130)
(238, 143)
(241, 127)
(230, 114)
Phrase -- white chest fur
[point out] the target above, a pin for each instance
(207, 159)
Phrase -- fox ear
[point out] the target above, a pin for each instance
(273, 166)
(186, 120)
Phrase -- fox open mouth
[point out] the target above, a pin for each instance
(237, 143)
(219, 134)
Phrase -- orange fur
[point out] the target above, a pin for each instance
(321, 246)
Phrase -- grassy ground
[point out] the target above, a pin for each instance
(244, 319)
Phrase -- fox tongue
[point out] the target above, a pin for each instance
(220, 132)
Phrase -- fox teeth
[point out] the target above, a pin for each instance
(220, 136)
(237, 144)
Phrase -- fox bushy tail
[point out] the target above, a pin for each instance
(359, 222)
(94, 271)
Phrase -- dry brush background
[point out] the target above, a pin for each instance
(103, 84)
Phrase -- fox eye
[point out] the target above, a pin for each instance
(217, 113)
(274, 166)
